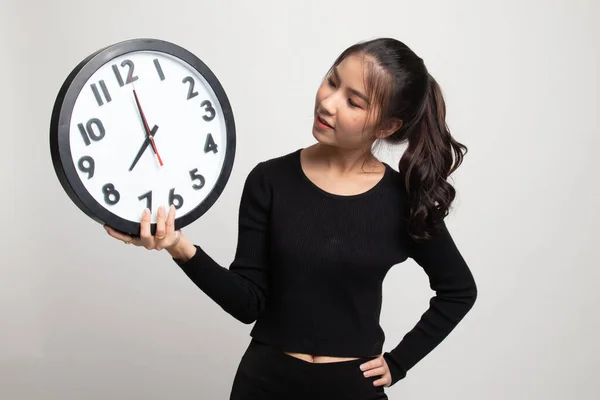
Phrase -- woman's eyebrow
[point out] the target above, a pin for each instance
(354, 91)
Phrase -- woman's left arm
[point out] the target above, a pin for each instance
(456, 291)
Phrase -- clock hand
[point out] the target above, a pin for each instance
(146, 127)
(143, 148)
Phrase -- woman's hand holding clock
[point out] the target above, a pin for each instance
(166, 236)
(178, 246)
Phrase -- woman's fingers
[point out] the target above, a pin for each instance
(118, 235)
(146, 237)
(165, 236)
(160, 224)
(170, 223)
(374, 372)
(169, 237)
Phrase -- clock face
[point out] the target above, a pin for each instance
(146, 128)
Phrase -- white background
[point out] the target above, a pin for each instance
(85, 317)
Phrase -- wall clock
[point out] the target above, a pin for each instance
(139, 124)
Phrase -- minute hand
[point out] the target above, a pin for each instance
(143, 148)
(146, 127)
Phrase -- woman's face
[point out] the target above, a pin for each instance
(341, 117)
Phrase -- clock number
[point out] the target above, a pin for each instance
(111, 195)
(161, 75)
(148, 197)
(175, 199)
(104, 91)
(130, 77)
(210, 144)
(196, 176)
(118, 75)
(191, 93)
(88, 132)
(87, 169)
(209, 108)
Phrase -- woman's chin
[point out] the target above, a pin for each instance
(320, 136)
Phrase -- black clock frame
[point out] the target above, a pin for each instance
(61, 121)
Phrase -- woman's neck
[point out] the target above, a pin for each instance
(340, 161)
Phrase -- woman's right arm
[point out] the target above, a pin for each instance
(183, 250)
(242, 289)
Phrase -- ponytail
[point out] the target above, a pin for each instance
(399, 82)
(427, 163)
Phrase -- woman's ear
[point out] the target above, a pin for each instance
(389, 128)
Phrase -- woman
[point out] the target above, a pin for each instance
(319, 229)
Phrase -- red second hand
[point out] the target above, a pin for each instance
(147, 127)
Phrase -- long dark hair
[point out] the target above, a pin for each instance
(401, 85)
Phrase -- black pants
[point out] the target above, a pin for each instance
(267, 373)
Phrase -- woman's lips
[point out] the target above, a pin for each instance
(322, 123)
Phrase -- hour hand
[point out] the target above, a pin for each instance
(143, 148)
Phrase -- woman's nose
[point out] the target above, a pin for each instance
(328, 105)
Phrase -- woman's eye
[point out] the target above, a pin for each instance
(353, 104)
(331, 83)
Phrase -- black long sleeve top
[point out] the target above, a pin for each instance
(309, 267)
